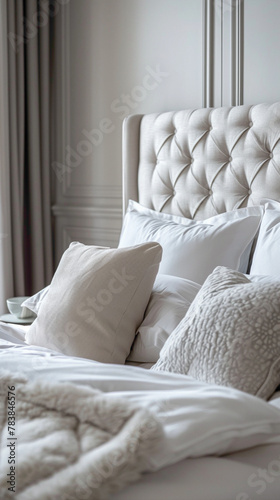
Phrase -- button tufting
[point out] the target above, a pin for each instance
(196, 157)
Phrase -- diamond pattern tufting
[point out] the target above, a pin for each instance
(198, 163)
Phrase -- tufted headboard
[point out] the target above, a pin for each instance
(201, 162)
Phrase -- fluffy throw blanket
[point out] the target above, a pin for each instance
(61, 441)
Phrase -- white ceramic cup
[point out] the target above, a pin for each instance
(14, 306)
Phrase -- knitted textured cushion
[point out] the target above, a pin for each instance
(230, 335)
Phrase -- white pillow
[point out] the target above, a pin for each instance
(96, 301)
(170, 299)
(230, 335)
(34, 303)
(192, 249)
(263, 278)
(266, 256)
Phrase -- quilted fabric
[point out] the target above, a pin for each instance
(230, 335)
(201, 162)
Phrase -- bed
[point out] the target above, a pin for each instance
(173, 357)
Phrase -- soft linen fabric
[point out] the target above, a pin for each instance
(230, 335)
(266, 256)
(235, 476)
(198, 418)
(159, 392)
(192, 249)
(96, 301)
(170, 299)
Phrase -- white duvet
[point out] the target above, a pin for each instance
(198, 419)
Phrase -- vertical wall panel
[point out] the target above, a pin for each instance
(223, 52)
(261, 51)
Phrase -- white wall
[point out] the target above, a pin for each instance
(261, 51)
(117, 57)
(115, 46)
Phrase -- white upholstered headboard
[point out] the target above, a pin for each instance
(197, 163)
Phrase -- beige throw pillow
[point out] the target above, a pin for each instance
(230, 335)
(96, 301)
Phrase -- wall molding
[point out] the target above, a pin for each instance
(109, 195)
(89, 225)
(94, 192)
(88, 213)
(68, 231)
(223, 49)
(63, 94)
(89, 236)
(238, 53)
(208, 53)
(94, 212)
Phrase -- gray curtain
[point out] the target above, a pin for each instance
(28, 26)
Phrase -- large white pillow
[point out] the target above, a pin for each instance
(230, 335)
(96, 301)
(266, 256)
(192, 249)
(170, 299)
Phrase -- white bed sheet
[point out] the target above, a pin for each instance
(232, 477)
(243, 475)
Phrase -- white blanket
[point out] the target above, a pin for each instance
(60, 440)
(198, 419)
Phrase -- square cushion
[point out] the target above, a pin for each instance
(96, 301)
(192, 249)
(230, 335)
